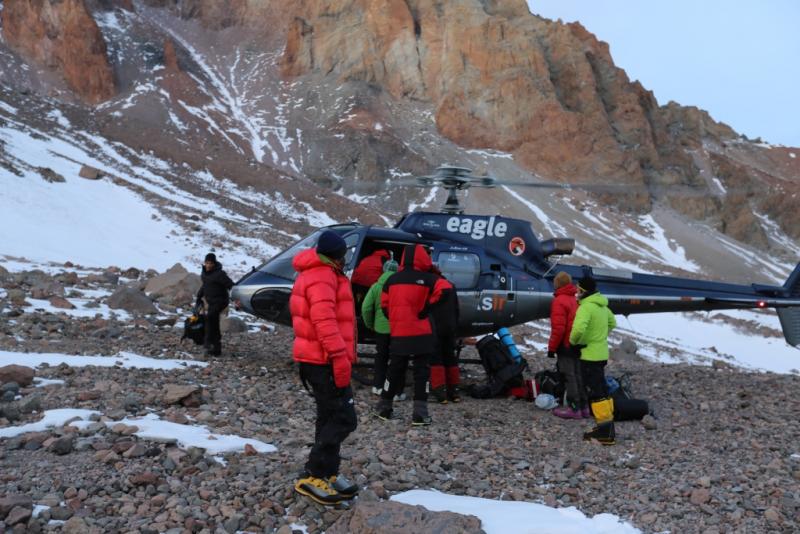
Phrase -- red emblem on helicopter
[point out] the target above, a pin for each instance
(516, 246)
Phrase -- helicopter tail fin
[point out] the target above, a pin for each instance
(790, 317)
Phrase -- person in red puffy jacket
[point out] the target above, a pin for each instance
(367, 273)
(406, 301)
(323, 317)
(562, 314)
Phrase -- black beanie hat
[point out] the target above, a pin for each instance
(211, 257)
(588, 284)
(331, 244)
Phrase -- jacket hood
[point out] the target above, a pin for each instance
(568, 289)
(597, 299)
(417, 258)
(308, 259)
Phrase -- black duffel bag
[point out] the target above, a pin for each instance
(194, 328)
(626, 409)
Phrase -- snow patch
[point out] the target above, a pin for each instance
(44, 382)
(123, 360)
(51, 419)
(152, 427)
(502, 517)
(57, 116)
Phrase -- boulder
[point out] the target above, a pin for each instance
(17, 515)
(177, 286)
(20, 374)
(12, 501)
(49, 175)
(233, 325)
(4, 274)
(61, 446)
(180, 393)
(390, 517)
(131, 300)
(61, 303)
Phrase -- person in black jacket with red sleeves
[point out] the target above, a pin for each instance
(406, 300)
(214, 292)
(445, 376)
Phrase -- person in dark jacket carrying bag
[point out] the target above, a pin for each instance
(406, 299)
(214, 292)
(324, 322)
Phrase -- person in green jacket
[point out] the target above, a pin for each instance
(375, 320)
(593, 322)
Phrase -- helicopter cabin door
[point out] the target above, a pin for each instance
(485, 299)
(497, 302)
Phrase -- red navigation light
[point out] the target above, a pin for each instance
(761, 304)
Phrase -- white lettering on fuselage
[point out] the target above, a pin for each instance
(477, 228)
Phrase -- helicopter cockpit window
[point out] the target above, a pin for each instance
(281, 265)
(461, 268)
(352, 242)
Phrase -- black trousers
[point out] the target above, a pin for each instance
(336, 419)
(381, 360)
(569, 364)
(445, 353)
(594, 379)
(398, 363)
(213, 338)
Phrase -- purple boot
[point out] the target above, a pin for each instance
(567, 412)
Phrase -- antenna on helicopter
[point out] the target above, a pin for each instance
(454, 179)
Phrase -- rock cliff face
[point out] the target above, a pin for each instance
(63, 36)
(502, 78)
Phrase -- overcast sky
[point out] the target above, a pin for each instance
(739, 60)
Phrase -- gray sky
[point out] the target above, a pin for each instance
(739, 60)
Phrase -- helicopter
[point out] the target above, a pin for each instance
(503, 273)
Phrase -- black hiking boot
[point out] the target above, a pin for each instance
(318, 490)
(440, 394)
(384, 415)
(421, 420)
(453, 394)
(603, 433)
(344, 487)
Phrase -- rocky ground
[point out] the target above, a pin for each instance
(721, 455)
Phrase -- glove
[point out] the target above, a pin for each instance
(341, 369)
(551, 354)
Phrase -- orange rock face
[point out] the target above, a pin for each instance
(62, 36)
(499, 77)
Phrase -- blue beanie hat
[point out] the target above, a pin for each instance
(331, 244)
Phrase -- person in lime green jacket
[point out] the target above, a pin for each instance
(375, 320)
(593, 321)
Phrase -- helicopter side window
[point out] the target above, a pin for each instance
(352, 242)
(461, 268)
(281, 265)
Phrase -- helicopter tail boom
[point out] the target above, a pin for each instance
(790, 317)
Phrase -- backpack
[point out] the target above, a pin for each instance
(502, 371)
(626, 408)
(194, 328)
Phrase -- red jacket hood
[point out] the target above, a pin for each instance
(308, 259)
(419, 258)
(568, 289)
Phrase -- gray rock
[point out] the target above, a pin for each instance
(18, 514)
(175, 393)
(31, 403)
(7, 396)
(12, 501)
(233, 325)
(75, 525)
(61, 446)
(177, 286)
(131, 300)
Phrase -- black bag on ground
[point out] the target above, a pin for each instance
(630, 409)
(502, 371)
(551, 382)
(194, 328)
(626, 408)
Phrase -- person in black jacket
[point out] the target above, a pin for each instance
(214, 292)
(445, 376)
